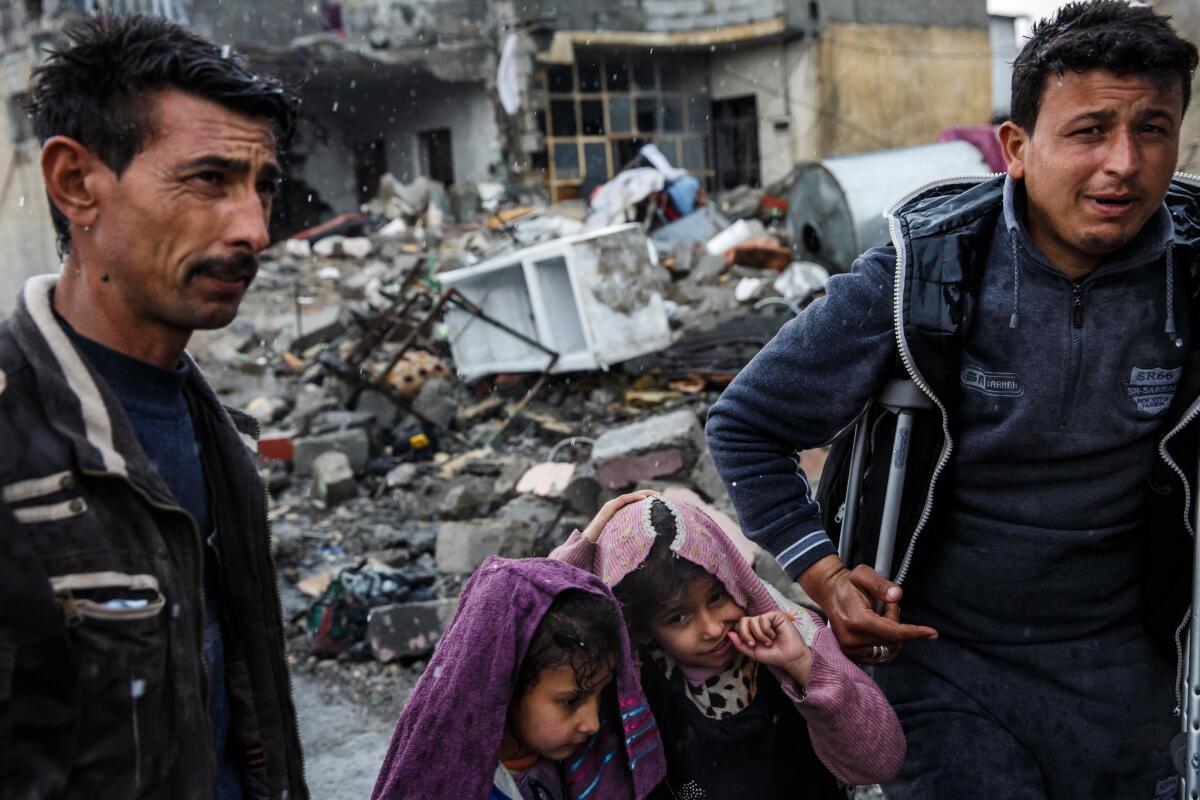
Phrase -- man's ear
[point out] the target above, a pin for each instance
(1013, 140)
(70, 172)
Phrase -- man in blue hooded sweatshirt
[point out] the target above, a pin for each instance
(1043, 545)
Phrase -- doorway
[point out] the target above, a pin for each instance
(436, 159)
(735, 142)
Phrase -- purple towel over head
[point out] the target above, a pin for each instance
(446, 740)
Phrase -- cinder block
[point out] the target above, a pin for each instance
(462, 546)
(408, 630)
(353, 442)
(617, 473)
(333, 477)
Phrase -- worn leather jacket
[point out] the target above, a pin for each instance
(103, 691)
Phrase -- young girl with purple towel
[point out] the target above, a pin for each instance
(531, 695)
(706, 626)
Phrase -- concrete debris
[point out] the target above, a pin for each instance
(357, 247)
(679, 430)
(333, 477)
(448, 374)
(402, 477)
(408, 630)
(354, 442)
(735, 234)
(463, 546)
(547, 480)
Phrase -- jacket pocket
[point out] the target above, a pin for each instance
(118, 634)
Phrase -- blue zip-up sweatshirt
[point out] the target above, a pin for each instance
(1063, 387)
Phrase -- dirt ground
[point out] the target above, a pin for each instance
(343, 741)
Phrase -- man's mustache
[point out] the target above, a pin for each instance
(237, 267)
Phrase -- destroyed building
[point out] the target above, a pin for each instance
(734, 91)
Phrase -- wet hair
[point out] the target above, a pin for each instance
(660, 578)
(1112, 35)
(580, 629)
(97, 88)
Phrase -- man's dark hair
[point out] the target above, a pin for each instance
(1112, 35)
(97, 88)
(661, 577)
(580, 629)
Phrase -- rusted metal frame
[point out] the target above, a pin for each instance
(459, 300)
(524, 401)
(413, 335)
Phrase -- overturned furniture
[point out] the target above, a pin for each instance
(593, 298)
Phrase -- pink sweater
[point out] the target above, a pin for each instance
(853, 729)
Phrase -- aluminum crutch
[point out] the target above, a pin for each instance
(858, 455)
(903, 398)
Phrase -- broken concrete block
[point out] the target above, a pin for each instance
(402, 476)
(549, 479)
(353, 442)
(467, 498)
(705, 478)
(320, 326)
(407, 630)
(462, 546)
(380, 406)
(617, 473)
(538, 511)
(511, 472)
(583, 492)
(679, 430)
(436, 402)
(339, 420)
(333, 477)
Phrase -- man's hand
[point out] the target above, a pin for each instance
(772, 639)
(848, 598)
(609, 510)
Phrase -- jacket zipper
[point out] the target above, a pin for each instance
(287, 675)
(1188, 417)
(947, 448)
(212, 773)
(910, 365)
(1186, 420)
(1073, 374)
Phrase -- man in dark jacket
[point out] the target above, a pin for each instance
(141, 645)
(1048, 317)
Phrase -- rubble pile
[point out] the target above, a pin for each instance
(394, 470)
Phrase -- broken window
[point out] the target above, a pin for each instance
(560, 79)
(618, 115)
(610, 103)
(562, 117)
(592, 117)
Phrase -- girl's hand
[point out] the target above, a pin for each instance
(772, 639)
(609, 509)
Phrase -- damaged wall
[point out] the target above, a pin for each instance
(782, 78)
(885, 86)
(388, 23)
(1185, 16)
(26, 234)
(342, 123)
